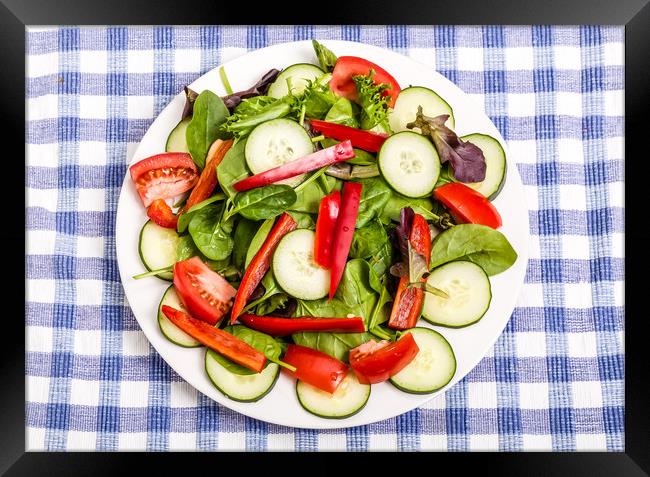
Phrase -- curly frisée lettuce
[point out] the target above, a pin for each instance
(374, 106)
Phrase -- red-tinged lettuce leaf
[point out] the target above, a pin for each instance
(466, 159)
(403, 232)
(190, 97)
(258, 89)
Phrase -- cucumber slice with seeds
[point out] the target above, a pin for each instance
(158, 248)
(177, 142)
(409, 163)
(274, 143)
(349, 398)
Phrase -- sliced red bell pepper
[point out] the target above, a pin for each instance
(375, 364)
(366, 140)
(330, 155)
(408, 300)
(468, 206)
(223, 343)
(208, 179)
(276, 326)
(315, 367)
(328, 212)
(260, 264)
(160, 212)
(343, 232)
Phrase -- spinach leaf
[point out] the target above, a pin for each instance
(381, 261)
(445, 177)
(486, 247)
(303, 219)
(258, 240)
(271, 288)
(368, 240)
(244, 233)
(374, 196)
(264, 202)
(204, 128)
(279, 300)
(260, 341)
(337, 345)
(210, 234)
(232, 168)
(186, 249)
(343, 112)
(397, 202)
(185, 218)
(326, 58)
(308, 199)
(381, 314)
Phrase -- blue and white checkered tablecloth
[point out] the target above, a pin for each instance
(553, 380)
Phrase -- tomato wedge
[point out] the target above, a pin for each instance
(260, 263)
(330, 155)
(160, 212)
(276, 326)
(343, 232)
(315, 367)
(205, 294)
(348, 66)
(366, 140)
(328, 212)
(163, 176)
(468, 206)
(376, 362)
(223, 343)
(208, 180)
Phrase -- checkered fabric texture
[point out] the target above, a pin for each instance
(553, 380)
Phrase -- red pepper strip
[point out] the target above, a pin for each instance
(406, 307)
(330, 155)
(383, 361)
(208, 179)
(468, 206)
(328, 212)
(275, 326)
(420, 237)
(160, 212)
(223, 343)
(260, 264)
(366, 140)
(315, 367)
(343, 232)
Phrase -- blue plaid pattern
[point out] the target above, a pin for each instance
(553, 380)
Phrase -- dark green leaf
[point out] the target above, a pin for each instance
(326, 58)
(260, 341)
(244, 233)
(264, 202)
(232, 168)
(210, 235)
(275, 302)
(303, 219)
(397, 202)
(368, 240)
(337, 345)
(185, 218)
(374, 196)
(308, 199)
(486, 247)
(343, 112)
(204, 128)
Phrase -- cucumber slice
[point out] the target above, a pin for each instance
(433, 366)
(277, 142)
(348, 399)
(176, 142)
(407, 104)
(409, 163)
(298, 75)
(172, 332)
(240, 387)
(469, 293)
(294, 267)
(158, 248)
(495, 160)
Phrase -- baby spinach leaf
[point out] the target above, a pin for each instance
(337, 345)
(326, 58)
(232, 168)
(258, 240)
(212, 236)
(185, 218)
(343, 112)
(260, 341)
(374, 196)
(397, 202)
(368, 240)
(308, 199)
(486, 247)
(279, 300)
(244, 233)
(264, 202)
(204, 128)
(186, 249)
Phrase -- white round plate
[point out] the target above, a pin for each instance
(281, 405)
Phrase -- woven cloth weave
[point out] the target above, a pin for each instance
(554, 379)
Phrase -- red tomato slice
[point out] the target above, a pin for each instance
(163, 176)
(160, 212)
(205, 294)
(315, 367)
(375, 364)
(348, 66)
(467, 205)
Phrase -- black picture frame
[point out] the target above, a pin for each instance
(15, 15)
